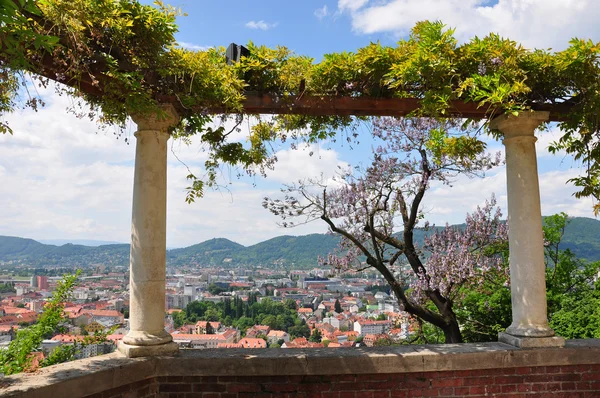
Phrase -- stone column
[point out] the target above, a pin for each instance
(529, 327)
(147, 336)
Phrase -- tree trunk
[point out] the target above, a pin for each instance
(452, 332)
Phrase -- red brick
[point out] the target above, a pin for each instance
(200, 379)
(173, 395)
(334, 394)
(460, 391)
(376, 377)
(523, 371)
(281, 387)
(567, 386)
(582, 385)
(434, 392)
(347, 394)
(568, 395)
(243, 388)
(524, 388)
(175, 388)
(567, 377)
(538, 387)
(509, 379)
(317, 379)
(414, 384)
(493, 389)
(170, 379)
(206, 387)
(476, 390)
(399, 394)
(415, 393)
(364, 394)
(381, 394)
(553, 386)
(552, 369)
(509, 371)
(204, 395)
(475, 373)
(537, 378)
(314, 387)
(509, 388)
(478, 381)
(590, 376)
(447, 382)
(351, 378)
(576, 368)
(348, 387)
(292, 379)
(381, 385)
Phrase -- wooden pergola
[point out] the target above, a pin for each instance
(147, 336)
(368, 106)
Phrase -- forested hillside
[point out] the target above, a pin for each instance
(582, 236)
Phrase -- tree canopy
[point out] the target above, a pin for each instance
(376, 211)
(121, 58)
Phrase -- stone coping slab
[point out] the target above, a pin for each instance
(97, 374)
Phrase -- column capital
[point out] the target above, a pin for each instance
(522, 125)
(161, 120)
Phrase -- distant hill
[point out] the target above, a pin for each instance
(210, 252)
(582, 236)
(84, 242)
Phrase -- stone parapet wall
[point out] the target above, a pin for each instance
(492, 369)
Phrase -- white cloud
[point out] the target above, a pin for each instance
(262, 25)
(534, 23)
(64, 179)
(322, 12)
(192, 46)
(451, 204)
(351, 5)
(314, 161)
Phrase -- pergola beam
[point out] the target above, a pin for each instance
(360, 106)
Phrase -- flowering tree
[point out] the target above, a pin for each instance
(376, 211)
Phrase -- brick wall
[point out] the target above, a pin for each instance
(467, 370)
(142, 389)
(551, 381)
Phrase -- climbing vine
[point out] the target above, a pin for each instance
(121, 58)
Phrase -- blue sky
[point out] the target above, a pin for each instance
(65, 179)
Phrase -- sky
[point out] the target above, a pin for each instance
(64, 178)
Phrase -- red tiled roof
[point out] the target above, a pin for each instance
(252, 343)
(105, 313)
(198, 337)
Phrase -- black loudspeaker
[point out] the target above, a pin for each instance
(235, 52)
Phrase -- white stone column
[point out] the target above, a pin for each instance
(529, 327)
(147, 335)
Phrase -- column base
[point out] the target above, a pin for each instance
(136, 351)
(530, 330)
(138, 337)
(531, 342)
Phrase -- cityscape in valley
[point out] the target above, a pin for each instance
(217, 295)
(217, 307)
